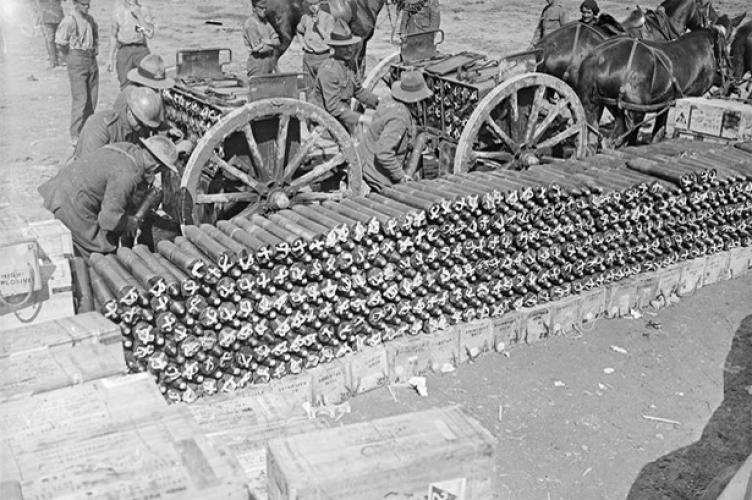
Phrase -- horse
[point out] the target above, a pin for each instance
(741, 57)
(561, 52)
(360, 15)
(632, 77)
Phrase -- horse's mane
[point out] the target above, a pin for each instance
(738, 48)
(671, 5)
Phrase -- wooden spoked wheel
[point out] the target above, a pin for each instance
(521, 122)
(266, 156)
(374, 80)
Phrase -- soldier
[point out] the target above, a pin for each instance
(261, 40)
(127, 123)
(552, 18)
(92, 195)
(51, 13)
(150, 73)
(385, 145)
(418, 16)
(132, 25)
(337, 82)
(78, 34)
(313, 31)
(589, 10)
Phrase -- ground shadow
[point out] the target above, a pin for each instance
(726, 440)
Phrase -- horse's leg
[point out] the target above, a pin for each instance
(659, 127)
(633, 119)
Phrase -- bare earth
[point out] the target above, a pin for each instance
(586, 439)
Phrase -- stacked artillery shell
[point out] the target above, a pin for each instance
(259, 297)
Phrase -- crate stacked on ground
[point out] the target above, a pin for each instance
(256, 298)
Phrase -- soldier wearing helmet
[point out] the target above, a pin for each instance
(127, 123)
(92, 195)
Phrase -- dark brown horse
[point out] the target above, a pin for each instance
(631, 77)
(562, 51)
(361, 15)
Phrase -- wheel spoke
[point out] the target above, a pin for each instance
(253, 148)
(501, 134)
(239, 174)
(561, 136)
(284, 122)
(303, 151)
(226, 197)
(318, 171)
(534, 112)
(514, 106)
(553, 113)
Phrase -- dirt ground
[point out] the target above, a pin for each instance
(585, 439)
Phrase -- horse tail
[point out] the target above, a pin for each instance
(587, 88)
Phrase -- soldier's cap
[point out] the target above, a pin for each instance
(258, 3)
(313, 2)
(82, 2)
(411, 87)
(151, 73)
(341, 35)
(163, 150)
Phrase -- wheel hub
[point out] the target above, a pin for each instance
(528, 159)
(279, 200)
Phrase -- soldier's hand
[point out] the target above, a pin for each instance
(131, 226)
(365, 120)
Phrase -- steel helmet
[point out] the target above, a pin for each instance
(145, 104)
(163, 150)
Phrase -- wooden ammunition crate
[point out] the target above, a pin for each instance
(439, 453)
(55, 354)
(245, 421)
(35, 277)
(719, 120)
(113, 438)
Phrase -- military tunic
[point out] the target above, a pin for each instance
(261, 59)
(91, 195)
(106, 127)
(386, 143)
(335, 86)
(426, 18)
(313, 31)
(552, 18)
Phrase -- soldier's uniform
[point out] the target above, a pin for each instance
(419, 16)
(132, 25)
(91, 195)
(106, 127)
(313, 31)
(552, 18)
(336, 84)
(262, 55)
(79, 33)
(51, 13)
(385, 145)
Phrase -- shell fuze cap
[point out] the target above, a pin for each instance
(151, 72)
(590, 4)
(163, 150)
(145, 104)
(341, 35)
(411, 87)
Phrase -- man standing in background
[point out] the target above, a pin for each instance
(50, 13)
(132, 26)
(78, 34)
(313, 31)
(552, 18)
(262, 42)
(418, 16)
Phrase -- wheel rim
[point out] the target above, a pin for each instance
(266, 156)
(520, 122)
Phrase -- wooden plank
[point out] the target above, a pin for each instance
(413, 455)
